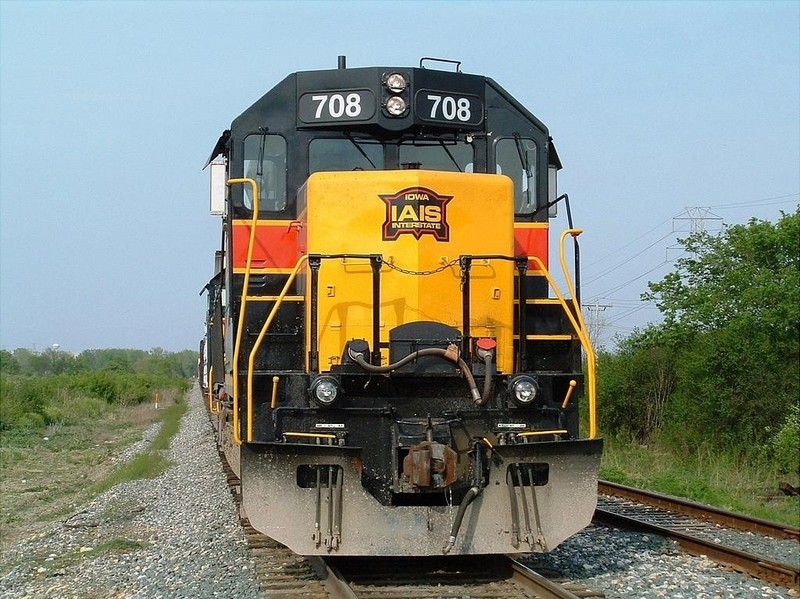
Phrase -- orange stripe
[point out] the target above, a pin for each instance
(276, 244)
(532, 241)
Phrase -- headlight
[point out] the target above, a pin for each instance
(324, 391)
(524, 390)
(395, 105)
(396, 82)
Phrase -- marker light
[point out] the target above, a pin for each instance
(395, 105)
(396, 82)
(324, 391)
(524, 390)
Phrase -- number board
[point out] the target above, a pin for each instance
(448, 107)
(336, 106)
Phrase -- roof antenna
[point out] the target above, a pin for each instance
(342, 62)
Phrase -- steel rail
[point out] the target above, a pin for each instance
(495, 576)
(785, 575)
(698, 510)
(544, 588)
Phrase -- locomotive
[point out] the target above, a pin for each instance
(391, 366)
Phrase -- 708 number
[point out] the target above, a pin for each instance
(451, 108)
(337, 105)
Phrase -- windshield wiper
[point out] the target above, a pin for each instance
(361, 150)
(450, 154)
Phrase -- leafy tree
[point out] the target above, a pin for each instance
(635, 384)
(748, 274)
(727, 354)
(8, 363)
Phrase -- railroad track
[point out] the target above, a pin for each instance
(693, 526)
(475, 577)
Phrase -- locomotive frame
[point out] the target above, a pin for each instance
(384, 248)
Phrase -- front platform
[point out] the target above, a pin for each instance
(310, 498)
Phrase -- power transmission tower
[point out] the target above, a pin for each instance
(697, 217)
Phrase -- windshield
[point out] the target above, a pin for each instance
(344, 155)
(436, 155)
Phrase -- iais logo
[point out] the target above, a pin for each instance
(417, 211)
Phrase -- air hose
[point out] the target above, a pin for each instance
(474, 491)
(451, 353)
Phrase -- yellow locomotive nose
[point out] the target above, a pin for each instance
(420, 222)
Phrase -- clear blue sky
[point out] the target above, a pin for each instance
(108, 111)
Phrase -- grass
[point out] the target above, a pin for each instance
(152, 462)
(45, 475)
(718, 479)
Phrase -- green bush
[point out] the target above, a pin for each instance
(23, 401)
(786, 442)
(29, 421)
(635, 385)
(73, 409)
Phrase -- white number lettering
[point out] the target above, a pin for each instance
(463, 113)
(322, 100)
(436, 100)
(449, 108)
(336, 106)
(452, 108)
(353, 105)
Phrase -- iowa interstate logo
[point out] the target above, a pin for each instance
(417, 211)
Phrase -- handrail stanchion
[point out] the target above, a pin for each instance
(375, 264)
(237, 437)
(267, 323)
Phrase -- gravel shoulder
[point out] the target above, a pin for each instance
(174, 536)
(179, 536)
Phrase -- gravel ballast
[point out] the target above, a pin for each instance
(631, 565)
(174, 536)
(179, 536)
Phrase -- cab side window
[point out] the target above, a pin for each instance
(516, 158)
(265, 162)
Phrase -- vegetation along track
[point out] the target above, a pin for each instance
(693, 526)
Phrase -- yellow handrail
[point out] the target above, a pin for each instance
(581, 337)
(261, 335)
(590, 356)
(242, 310)
(559, 431)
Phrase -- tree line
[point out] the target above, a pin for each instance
(53, 386)
(133, 361)
(723, 367)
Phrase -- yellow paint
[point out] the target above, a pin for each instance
(345, 214)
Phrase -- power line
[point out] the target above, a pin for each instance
(762, 202)
(621, 264)
(644, 274)
(630, 242)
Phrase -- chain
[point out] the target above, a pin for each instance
(406, 271)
